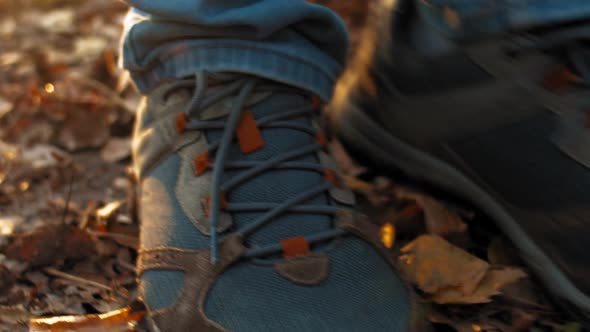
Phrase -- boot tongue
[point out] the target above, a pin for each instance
(277, 186)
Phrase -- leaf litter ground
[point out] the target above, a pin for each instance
(68, 222)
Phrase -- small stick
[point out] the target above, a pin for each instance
(56, 273)
(126, 265)
(92, 83)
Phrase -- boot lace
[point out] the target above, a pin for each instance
(242, 88)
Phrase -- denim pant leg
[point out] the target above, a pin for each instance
(473, 18)
(290, 41)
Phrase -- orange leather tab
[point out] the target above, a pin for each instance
(206, 203)
(331, 176)
(320, 138)
(181, 123)
(249, 136)
(317, 101)
(559, 78)
(202, 163)
(296, 246)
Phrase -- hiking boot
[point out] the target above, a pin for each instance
(501, 122)
(247, 224)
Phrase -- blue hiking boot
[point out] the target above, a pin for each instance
(500, 122)
(246, 222)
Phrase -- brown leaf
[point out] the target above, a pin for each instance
(7, 279)
(5, 107)
(51, 243)
(490, 285)
(434, 264)
(14, 314)
(440, 220)
(85, 128)
(116, 149)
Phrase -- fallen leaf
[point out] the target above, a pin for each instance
(51, 243)
(9, 223)
(492, 283)
(346, 163)
(39, 279)
(525, 294)
(7, 279)
(116, 321)
(44, 156)
(70, 305)
(440, 220)
(57, 21)
(116, 149)
(433, 264)
(106, 248)
(84, 129)
(14, 314)
(9, 152)
(89, 48)
(5, 107)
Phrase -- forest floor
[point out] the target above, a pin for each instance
(68, 215)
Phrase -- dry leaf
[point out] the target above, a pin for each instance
(116, 149)
(434, 264)
(84, 129)
(8, 224)
(57, 21)
(440, 220)
(14, 314)
(89, 48)
(44, 156)
(51, 243)
(492, 283)
(5, 107)
(7, 279)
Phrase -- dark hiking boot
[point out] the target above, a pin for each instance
(502, 122)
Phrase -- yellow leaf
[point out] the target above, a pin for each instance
(490, 285)
(434, 264)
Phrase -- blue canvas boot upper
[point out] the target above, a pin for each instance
(247, 157)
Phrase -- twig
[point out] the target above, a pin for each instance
(126, 265)
(115, 98)
(59, 274)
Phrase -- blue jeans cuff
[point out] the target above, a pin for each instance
(236, 56)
